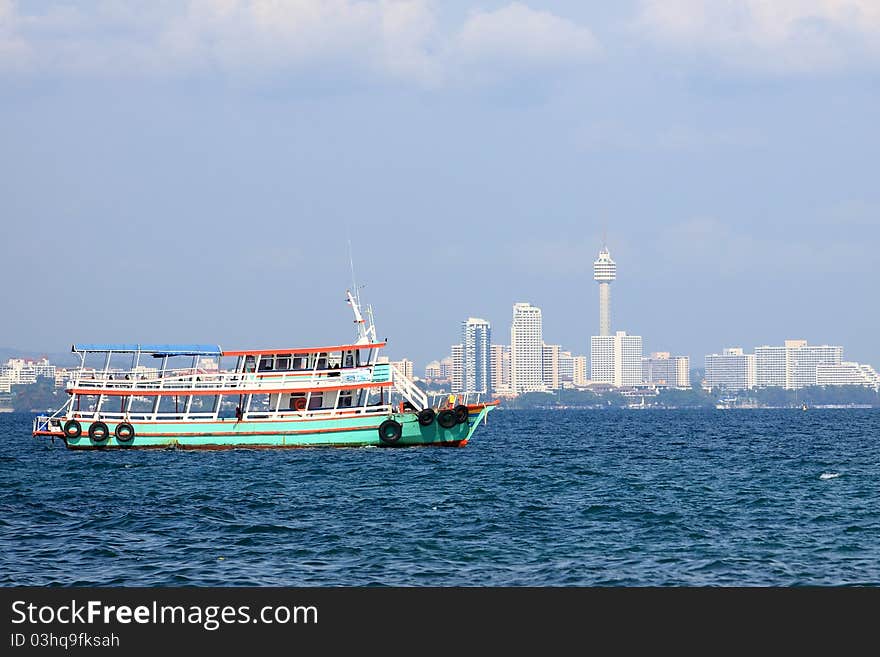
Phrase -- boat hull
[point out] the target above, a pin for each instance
(258, 434)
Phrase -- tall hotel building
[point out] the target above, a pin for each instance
(500, 357)
(730, 370)
(847, 374)
(550, 366)
(793, 365)
(526, 349)
(662, 369)
(456, 372)
(476, 340)
(614, 359)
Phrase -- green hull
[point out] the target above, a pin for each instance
(336, 432)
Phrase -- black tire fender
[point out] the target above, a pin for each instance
(390, 431)
(447, 419)
(72, 429)
(124, 432)
(461, 413)
(99, 431)
(426, 417)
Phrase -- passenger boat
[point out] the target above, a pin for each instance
(343, 395)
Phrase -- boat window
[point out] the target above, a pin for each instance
(345, 397)
(260, 405)
(317, 400)
(294, 406)
(266, 363)
(334, 360)
(348, 359)
(249, 363)
(282, 362)
(322, 361)
(299, 362)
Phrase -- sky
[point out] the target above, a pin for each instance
(176, 171)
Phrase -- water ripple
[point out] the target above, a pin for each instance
(538, 498)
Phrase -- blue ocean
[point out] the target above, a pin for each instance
(538, 498)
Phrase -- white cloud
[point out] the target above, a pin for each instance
(516, 35)
(397, 39)
(780, 36)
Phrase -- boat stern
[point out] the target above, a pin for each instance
(47, 425)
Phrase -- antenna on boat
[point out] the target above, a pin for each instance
(366, 333)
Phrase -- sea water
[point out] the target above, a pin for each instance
(719, 497)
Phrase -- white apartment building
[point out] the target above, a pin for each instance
(616, 359)
(550, 366)
(404, 366)
(664, 370)
(456, 372)
(500, 355)
(847, 374)
(793, 365)
(566, 368)
(476, 340)
(580, 370)
(446, 367)
(24, 371)
(730, 370)
(526, 349)
(432, 370)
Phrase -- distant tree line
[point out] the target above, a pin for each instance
(696, 397)
(37, 397)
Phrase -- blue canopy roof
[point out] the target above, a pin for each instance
(155, 349)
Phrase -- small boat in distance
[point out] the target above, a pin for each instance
(342, 396)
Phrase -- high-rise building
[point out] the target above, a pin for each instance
(476, 340)
(616, 359)
(662, 369)
(770, 367)
(550, 366)
(456, 372)
(793, 365)
(730, 370)
(432, 370)
(404, 366)
(500, 367)
(526, 349)
(566, 368)
(446, 367)
(604, 272)
(580, 370)
(847, 374)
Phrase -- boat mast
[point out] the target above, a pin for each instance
(366, 334)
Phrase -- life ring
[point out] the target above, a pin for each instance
(390, 431)
(99, 431)
(447, 419)
(124, 432)
(299, 404)
(72, 429)
(461, 413)
(426, 417)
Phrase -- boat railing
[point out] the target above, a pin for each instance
(404, 386)
(442, 400)
(45, 422)
(195, 380)
(250, 415)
